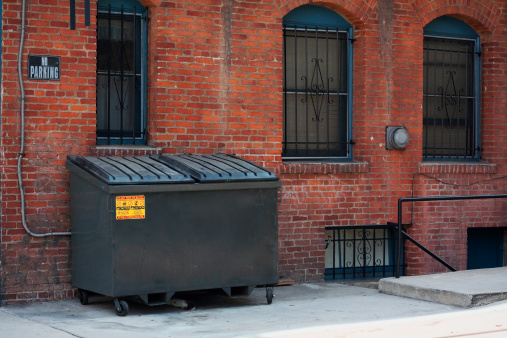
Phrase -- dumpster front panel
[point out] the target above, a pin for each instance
(92, 252)
(187, 242)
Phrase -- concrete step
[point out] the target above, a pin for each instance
(466, 288)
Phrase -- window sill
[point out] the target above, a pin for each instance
(324, 168)
(125, 150)
(457, 168)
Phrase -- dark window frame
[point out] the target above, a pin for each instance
(317, 116)
(451, 93)
(122, 72)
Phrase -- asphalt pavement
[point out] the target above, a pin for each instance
(327, 309)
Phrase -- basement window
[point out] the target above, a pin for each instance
(359, 252)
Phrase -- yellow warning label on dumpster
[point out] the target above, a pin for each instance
(130, 207)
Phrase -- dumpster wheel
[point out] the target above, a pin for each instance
(121, 307)
(269, 294)
(83, 296)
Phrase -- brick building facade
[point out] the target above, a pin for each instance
(215, 81)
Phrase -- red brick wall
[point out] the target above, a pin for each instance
(215, 85)
(216, 78)
(60, 120)
(442, 226)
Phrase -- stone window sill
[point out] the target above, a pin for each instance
(126, 150)
(457, 168)
(324, 168)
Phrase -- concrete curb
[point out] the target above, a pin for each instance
(466, 289)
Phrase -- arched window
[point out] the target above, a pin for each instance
(317, 84)
(121, 72)
(451, 91)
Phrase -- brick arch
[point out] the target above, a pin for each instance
(483, 19)
(150, 3)
(355, 12)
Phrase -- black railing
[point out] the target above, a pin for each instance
(401, 234)
(360, 252)
(422, 247)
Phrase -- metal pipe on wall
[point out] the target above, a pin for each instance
(22, 136)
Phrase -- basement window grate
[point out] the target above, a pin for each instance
(359, 252)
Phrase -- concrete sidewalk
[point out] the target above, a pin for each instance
(304, 310)
(467, 288)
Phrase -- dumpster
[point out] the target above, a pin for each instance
(150, 226)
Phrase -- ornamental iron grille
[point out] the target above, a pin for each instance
(120, 98)
(360, 252)
(315, 92)
(449, 106)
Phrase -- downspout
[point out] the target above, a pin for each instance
(22, 136)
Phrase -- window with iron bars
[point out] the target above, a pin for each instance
(316, 85)
(366, 251)
(121, 88)
(451, 102)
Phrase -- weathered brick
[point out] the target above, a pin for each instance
(215, 78)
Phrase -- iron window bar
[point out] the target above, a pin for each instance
(449, 37)
(304, 92)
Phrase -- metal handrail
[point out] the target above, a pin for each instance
(428, 199)
(422, 247)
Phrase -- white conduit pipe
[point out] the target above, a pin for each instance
(22, 146)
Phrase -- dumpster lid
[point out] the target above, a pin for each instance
(218, 168)
(130, 170)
